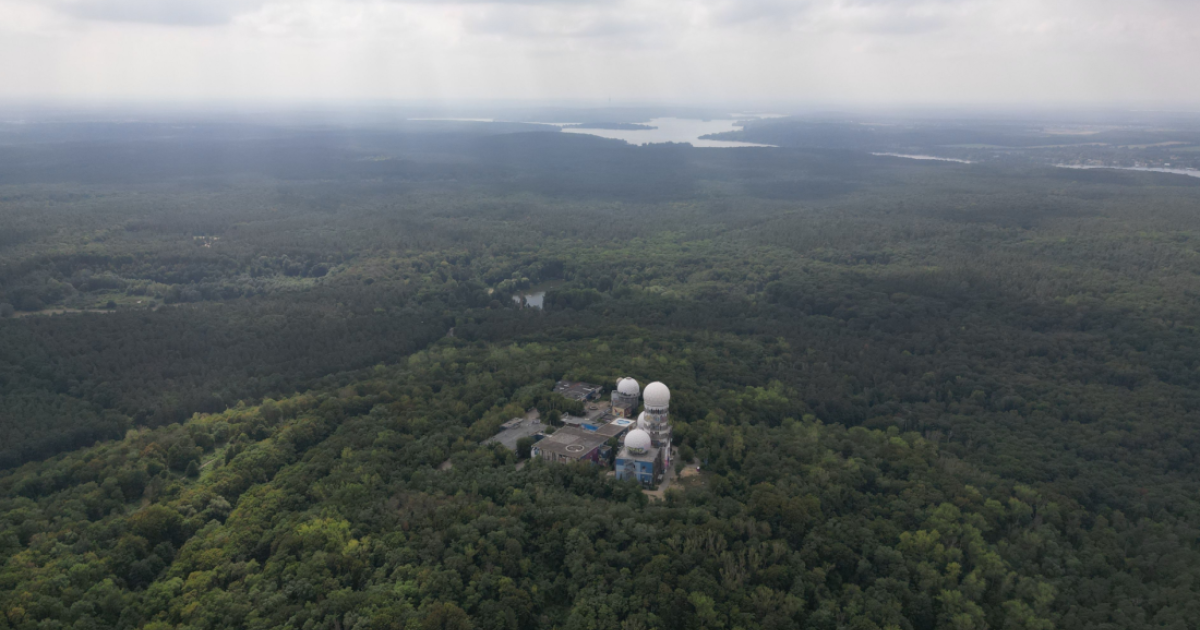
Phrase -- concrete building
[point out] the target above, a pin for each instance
(529, 425)
(571, 444)
(579, 422)
(638, 459)
(594, 416)
(645, 453)
(578, 390)
(617, 428)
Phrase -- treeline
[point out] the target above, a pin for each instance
(334, 509)
(921, 396)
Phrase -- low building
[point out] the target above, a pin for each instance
(638, 459)
(580, 422)
(615, 429)
(571, 444)
(577, 390)
(591, 420)
(511, 432)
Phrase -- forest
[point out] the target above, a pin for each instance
(1160, 139)
(246, 370)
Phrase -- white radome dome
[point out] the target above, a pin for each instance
(656, 396)
(637, 440)
(628, 387)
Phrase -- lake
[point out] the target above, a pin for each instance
(535, 296)
(686, 130)
(536, 299)
(667, 129)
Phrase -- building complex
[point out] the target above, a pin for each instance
(639, 421)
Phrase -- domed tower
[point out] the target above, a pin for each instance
(639, 459)
(625, 397)
(638, 442)
(655, 420)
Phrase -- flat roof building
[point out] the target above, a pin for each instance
(571, 444)
(581, 422)
(591, 420)
(530, 426)
(616, 428)
(577, 390)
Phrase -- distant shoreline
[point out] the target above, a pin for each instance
(1145, 169)
(615, 126)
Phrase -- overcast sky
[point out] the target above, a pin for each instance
(875, 51)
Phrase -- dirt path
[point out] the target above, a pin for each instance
(669, 479)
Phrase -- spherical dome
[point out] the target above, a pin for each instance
(657, 395)
(628, 387)
(637, 440)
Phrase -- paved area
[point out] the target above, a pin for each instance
(669, 478)
(525, 426)
(577, 390)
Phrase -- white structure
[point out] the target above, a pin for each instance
(625, 397)
(640, 460)
(656, 420)
(638, 441)
(657, 396)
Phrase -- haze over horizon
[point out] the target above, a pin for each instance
(844, 51)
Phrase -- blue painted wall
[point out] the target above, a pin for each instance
(643, 471)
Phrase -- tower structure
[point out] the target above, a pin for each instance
(625, 397)
(655, 420)
(639, 459)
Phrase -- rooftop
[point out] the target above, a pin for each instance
(590, 416)
(568, 419)
(571, 442)
(510, 432)
(577, 390)
(613, 429)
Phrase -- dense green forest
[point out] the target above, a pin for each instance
(235, 361)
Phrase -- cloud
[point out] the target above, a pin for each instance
(218, 12)
(917, 50)
(542, 24)
(736, 12)
(567, 3)
(543, 19)
(166, 12)
(880, 17)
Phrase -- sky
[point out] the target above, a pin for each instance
(844, 51)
